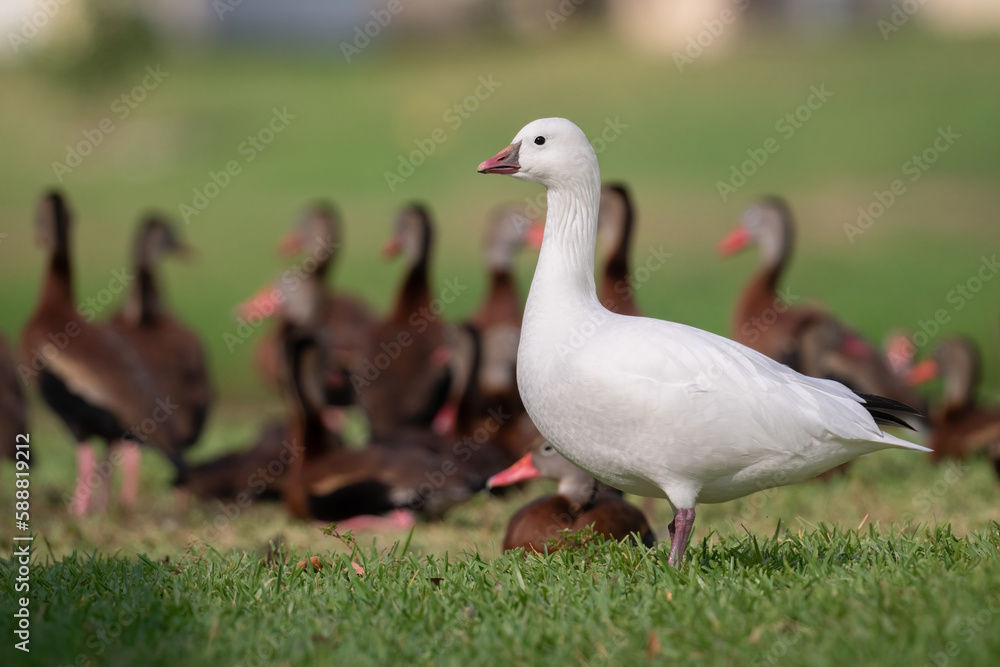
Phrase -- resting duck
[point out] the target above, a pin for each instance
(657, 408)
(959, 426)
(13, 407)
(347, 321)
(252, 474)
(171, 352)
(88, 374)
(403, 380)
(615, 228)
(581, 501)
(330, 482)
(807, 338)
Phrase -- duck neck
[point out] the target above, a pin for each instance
(143, 305)
(616, 264)
(579, 489)
(416, 290)
(59, 279)
(564, 275)
(502, 299)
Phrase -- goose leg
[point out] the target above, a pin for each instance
(86, 462)
(680, 531)
(131, 463)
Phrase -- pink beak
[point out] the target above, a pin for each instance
(291, 244)
(391, 248)
(735, 241)
(262, 304)
(504, 162)
(523, 470)
(534, 236)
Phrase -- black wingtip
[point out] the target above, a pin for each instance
(881, 408)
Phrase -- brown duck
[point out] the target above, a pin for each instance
(581, 501)
(87, 373)
(960, 427)
(403, 380)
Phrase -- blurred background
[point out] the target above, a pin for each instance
(135, 106)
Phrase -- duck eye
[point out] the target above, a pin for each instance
(539, 141)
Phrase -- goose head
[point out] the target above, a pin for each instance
(551, 151)
(317, 233)
(766, 223)
(411, 235)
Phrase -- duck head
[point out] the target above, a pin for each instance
(766, 223)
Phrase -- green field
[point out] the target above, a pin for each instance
(896, 563)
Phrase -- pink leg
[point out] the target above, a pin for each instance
(86, 462)
(680, 531)
(99, 497)
(131, 463)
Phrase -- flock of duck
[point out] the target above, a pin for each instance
(579, 387)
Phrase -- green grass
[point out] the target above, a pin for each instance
(828, 597)
(861, 570)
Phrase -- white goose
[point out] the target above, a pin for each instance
(657, 408)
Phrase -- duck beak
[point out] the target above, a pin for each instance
(290, 244)
(735, 241)
(504, 162)
(185, 252)
(392, 248)
(925, 371)
(534, 235)
(523, 470)
(262, 305)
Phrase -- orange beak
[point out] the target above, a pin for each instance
(523, 470)
(923, 372)
(735, 241)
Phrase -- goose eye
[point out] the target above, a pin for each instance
(547, 448)
(539, 141)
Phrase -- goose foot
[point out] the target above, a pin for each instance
(680, 531)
